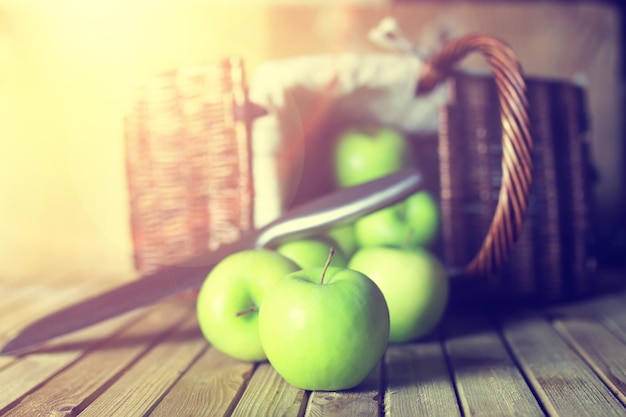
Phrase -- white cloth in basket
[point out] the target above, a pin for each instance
(377, 88)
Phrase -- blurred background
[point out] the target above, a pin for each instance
(68, 70)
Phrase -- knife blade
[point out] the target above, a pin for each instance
(335, 208)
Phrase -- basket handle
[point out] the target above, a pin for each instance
(517, 144)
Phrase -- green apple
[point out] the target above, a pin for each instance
(344, 238)
(308, 253)
(364, 154)
(410, 223)
(228, 301)
(414, 284)
(324, 331)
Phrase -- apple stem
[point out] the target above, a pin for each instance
(331, 252)
(250, 309)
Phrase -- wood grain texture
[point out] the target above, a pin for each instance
(363, 400)
(155, 362)
(487, 381)
(418, 381)
(27, 373)
(23, 305)
(70, 391)
(601, 349)
(268, 394)
(211, 387)
(611, 311)
(562, 381)
(142, 386)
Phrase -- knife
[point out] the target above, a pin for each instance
(335, 208)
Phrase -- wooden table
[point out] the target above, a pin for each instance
(566, 360)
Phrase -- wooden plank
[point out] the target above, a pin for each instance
(143, 385)
(418, 381)
(22, 304)
(268, 394)
(611, 310)
(487, 380)
(601, 349)
(565, 385)
(26, 373)
(71, 390)
(211, 387)
(29, 303)
(364, 400)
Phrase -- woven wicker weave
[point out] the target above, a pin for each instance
(188, 161)
(517, 238)
(552, 256)
(516, 143)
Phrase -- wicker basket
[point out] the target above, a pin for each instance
(188, 163)
(189, 171)
(552, 257)
(518, 240)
